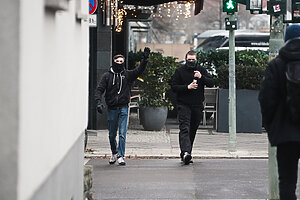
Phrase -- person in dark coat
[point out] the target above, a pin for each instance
(282, 132)
(116, 83)
(188, 84)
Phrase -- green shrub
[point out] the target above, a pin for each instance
(250, 66)
(156, 79)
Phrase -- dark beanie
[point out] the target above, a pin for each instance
(118, 56)
(291, 32)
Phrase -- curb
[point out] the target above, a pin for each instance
(176, 157)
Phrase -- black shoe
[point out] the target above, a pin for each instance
(186, 158)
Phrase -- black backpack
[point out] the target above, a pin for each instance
(293, 90)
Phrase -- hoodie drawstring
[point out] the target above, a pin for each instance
(120, 84)
(114, 80)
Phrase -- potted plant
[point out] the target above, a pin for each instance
(154, 105)
(250, 68)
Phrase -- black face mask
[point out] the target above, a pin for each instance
(118, 67)
(191, 64)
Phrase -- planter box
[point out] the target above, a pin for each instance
(248, 115)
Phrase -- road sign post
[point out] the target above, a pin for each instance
(276, 10)
(230, 7)
(276, 42)
(232, 89)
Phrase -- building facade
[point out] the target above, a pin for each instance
(43, 98)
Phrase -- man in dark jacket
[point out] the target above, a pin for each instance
(188, 83)
(116, 83)
(282, 132)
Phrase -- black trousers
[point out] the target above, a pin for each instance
(189, 119)
(287, 157)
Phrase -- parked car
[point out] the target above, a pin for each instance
(243, 40)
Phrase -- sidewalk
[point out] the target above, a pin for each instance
(164, 144)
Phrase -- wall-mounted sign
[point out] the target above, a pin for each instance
(93, 20)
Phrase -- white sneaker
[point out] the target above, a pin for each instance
(121, 161)
(113, 158)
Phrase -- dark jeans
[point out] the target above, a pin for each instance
(118, 118)
(287, 157)
(189, 119)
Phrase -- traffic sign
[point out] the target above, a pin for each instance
(296, 11)
(277, 7)
(93, 4)
(93, 20)
(230, 24)
(230, 6)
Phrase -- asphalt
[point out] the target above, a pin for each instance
(169, 179)
(153, 169)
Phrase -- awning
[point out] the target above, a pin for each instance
(198, 3)
(146, 2)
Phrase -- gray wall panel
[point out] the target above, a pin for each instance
(104, 41)
(66, 180)
(103, 60)
(248, 115)
(9, 114)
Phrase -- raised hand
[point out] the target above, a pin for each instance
(146, 52)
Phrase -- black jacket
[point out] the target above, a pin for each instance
(118, 86)
(272, 97)
(183, 76)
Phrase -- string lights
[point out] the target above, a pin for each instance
(171, 9)
(175, 9)
(120, 19)
(187, 13)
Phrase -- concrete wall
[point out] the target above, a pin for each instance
(66, 179)
(175, 50)
(104, 61)
(44, 87)
(9, 95)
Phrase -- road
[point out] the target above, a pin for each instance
(169, 179)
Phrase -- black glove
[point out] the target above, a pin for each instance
(146, 53)
(100, 107)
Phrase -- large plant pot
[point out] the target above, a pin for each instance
(248, 115)
(153, 118)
